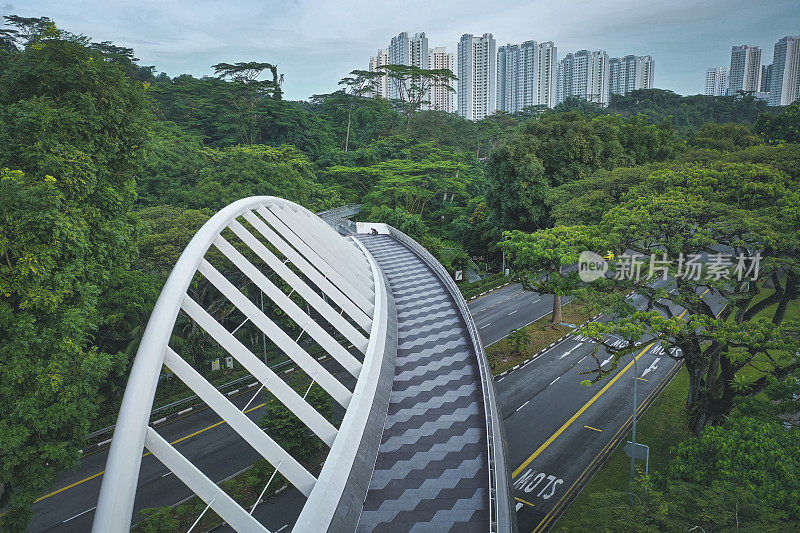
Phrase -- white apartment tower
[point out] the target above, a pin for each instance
(441, 95)
(583, 74)
(630, 73)
(476, 76)
(784, 86)
(716, 82)
(381, 84)
(525, 76)
(407, 51)
(745, 71)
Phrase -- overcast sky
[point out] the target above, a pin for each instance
(316, 43)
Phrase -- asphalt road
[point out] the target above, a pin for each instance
(558, 431)
(202, 437)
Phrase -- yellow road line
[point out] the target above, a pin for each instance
(84, 480)
(583, 409)
(641, 379)
(613, 442)
(593, 429)
(523, 501)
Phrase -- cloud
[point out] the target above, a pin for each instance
(315, 43)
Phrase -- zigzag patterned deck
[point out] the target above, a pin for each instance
(432, 470)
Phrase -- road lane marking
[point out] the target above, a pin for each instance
(165, 475)
(593, 429)
(641, 379)
(519, 506)
(582, 358)
(651, 368)
(572, 350)
(284, 526)
(559, 377)
(520, 500)
(84, 480)
(489, 324)
(556, 510)
(612, 443)
(521, 406)
(569, 422)
(512, 312)
(79, 514)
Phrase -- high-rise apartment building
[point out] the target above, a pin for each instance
(380, 86)
(407, 51)
(716, 82)
(784, 85)
(477, 68)
(766, 78)
(441, 94)
(745, 70)
(583, 74)
(525, 76)
(630, 73)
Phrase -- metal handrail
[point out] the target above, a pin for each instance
(502, 518)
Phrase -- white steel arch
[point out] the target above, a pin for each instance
(339, 270)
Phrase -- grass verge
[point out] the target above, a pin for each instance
(541, 333)
(663, 426)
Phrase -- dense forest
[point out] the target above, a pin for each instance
(107, 169)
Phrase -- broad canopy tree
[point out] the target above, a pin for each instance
(71, 125)
(749, 212)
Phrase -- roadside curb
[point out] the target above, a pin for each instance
(546, 348)
(169, 418)
(490, 290)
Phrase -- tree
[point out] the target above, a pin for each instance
(541, 259)
(725, 137)
(781, 128)
(245, 92)
(358, 85)
(743, 208)
(413, 85)
(71, 125)
(516, 185)
(290, 432)
(518, 341)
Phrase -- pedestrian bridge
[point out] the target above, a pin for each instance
(419, 445)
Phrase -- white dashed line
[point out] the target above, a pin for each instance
(559, 377)
(519, 506)
(512, 312)
(165, 475)
(523, 405)
(582, 358)
(79, 514)
(489, 324)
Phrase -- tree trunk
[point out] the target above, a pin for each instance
(558, 317)
(347, 136)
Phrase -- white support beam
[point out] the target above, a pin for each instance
(335, 286)
(353, 289)
(317, 332)
(283, 392)
(296, 352)
(208, 491)
(313, 233)
(308, 294)
(241, 423)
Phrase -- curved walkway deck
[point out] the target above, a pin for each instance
(432, 471)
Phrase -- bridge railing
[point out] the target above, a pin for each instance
(502, 517)
(354, 302)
